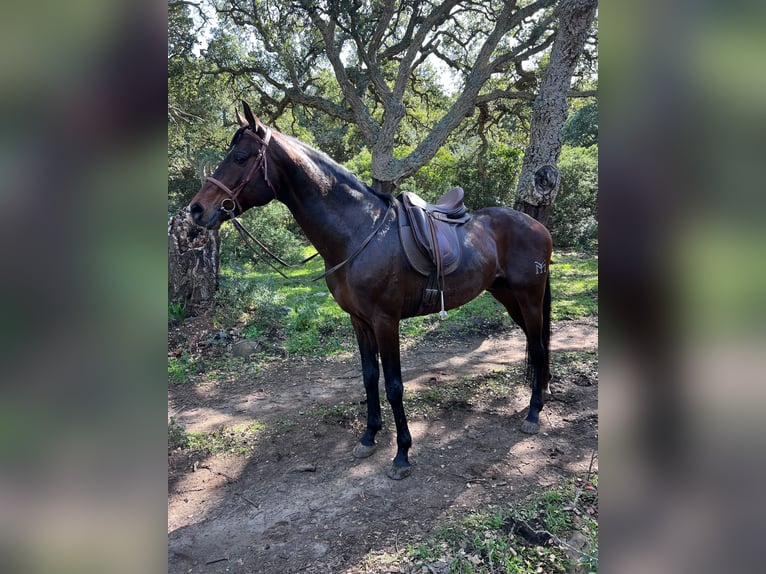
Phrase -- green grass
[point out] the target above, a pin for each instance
(298, 317)
(532, 537)
(181, 368)
(197, 370)
(574, 286)
(239, 440)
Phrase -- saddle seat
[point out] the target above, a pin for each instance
(449, 206)
(428, 233)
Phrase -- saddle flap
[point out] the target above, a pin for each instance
(421, 230)
(436, 240)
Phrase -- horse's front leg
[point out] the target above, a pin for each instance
(388, 339)
(368, 350)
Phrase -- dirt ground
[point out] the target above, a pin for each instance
(302, 503)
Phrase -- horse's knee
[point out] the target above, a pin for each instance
(394, 391)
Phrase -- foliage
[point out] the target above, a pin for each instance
(490, 178)
(294, 316)
(487, 176)
(176, 313)
(200, 113)
(581, 128)
(180, 369)
(405, 76)
(574, 218)
(271, 224)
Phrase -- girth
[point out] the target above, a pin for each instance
(428, 233)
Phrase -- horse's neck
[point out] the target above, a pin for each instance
(334, 225)
(334, 215)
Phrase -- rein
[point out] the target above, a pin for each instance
(247, 237)
(362, 246)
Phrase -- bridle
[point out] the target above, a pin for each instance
(260, 162)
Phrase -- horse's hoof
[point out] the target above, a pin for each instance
(399, 472)
(530, 427)
(362, 450)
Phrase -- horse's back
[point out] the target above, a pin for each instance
(513, 228)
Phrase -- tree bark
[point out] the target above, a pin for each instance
(193, 264)
(550, 111)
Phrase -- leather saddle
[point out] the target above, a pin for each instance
(428, 233)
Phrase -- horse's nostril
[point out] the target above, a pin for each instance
(196, 209)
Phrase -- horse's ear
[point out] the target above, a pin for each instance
(251, 119)
(242, 121)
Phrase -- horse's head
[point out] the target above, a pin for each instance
(241, 181)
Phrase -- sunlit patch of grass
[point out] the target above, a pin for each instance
(240, 439)
(574, 286)
(179, 368)
(466, 392)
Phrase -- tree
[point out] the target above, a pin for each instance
(384, 56)
(193, 253)
(550, 111)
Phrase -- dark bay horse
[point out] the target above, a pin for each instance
(354, 228)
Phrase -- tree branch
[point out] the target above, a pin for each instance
(466, 101)
(364, 120)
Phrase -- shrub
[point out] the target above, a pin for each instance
(581, 129)
(574, 218)
(274, 226)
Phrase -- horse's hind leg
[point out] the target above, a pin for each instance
(368, 349)
(526, 310)
(507, 298)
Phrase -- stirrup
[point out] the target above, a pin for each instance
(442, 313)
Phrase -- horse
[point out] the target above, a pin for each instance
(354, 228)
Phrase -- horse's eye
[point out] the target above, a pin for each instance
(240, 157)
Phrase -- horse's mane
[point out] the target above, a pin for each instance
(329, 168)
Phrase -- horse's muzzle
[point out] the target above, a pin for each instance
(196, 213)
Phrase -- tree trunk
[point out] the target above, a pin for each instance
(193, 263)
(382, 186)
(550, 111)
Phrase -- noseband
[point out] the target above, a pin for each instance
(260, 162)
